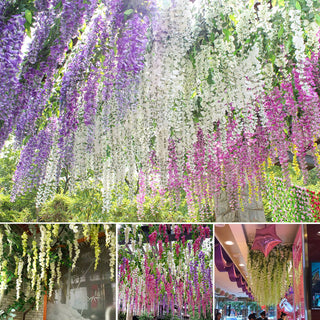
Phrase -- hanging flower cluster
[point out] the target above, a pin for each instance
(190, 99)
(165, 265)
(290, 204)
(32, 256)
(268, 277)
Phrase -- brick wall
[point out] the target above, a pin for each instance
(31, 315)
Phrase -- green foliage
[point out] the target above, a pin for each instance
(23, 209)
(145, 316)
(18, 7)
(57, 209)
(20, 305)
(10, 212)
(122, 315)
(87, 204)
(8, 162)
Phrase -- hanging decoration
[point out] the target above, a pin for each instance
(225, 264)
(165, 267)
(266, 239)
(268, 277)
(185, 100)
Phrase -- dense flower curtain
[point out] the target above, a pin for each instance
(165, 267)
(187, 98)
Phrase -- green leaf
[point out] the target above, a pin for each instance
(128, 12)
(317, 18)
(28, 31)
(280, 32)
(28, 15)
(298, 6)
(288, 44)
(59, 5)
(227, 33)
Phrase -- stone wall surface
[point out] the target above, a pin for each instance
(253, 209)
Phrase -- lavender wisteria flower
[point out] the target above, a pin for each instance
(12, 36)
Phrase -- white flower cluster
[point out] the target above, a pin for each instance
(58, 271)
(113, 254)
(107, 233)
(126, 234)
(76, 250)
(48, 186)
(297, 38)
(42, 253)
(4, 278)
(52, 278)
(19, 278)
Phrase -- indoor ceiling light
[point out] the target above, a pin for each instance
(229, 243)
(318, 233)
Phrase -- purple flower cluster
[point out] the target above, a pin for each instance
(32, 90)
(72, 82)
(12, 35)
(34, 156)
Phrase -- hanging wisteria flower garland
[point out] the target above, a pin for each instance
(268, 277)
(32, 257)
(165, 265)
(208, 98)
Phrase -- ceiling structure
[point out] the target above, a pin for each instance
(240, 236)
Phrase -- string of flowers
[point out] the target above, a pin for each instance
(159, 266)
(268, 277)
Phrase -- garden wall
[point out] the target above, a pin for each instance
(252, 212)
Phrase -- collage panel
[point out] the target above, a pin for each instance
(267, 271)
(159, 111)
(165, 272)
(57, 271)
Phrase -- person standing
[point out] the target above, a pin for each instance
(263, 316)
(283, 316)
